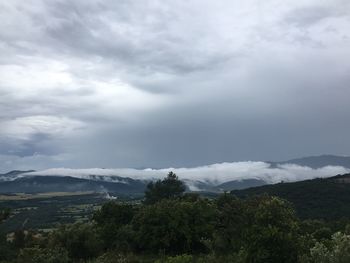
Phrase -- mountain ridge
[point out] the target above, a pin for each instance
(318, 161)
(135, 180)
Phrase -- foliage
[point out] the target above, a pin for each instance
(336, 251)
(112, 220)
(170, 187)
(260, 229)
(230, 222)
(117, 257)
(43, 255)
(272, 232)
(174, 226)
(313, 199)
(80, 240)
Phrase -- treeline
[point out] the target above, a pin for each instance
(173, 226)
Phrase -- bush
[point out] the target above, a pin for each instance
(337, 251)
(43, 255)
(80, 240)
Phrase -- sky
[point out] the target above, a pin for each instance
(92, 83)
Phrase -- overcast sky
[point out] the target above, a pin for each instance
(172, 83)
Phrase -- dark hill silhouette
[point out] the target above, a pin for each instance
(327, 198)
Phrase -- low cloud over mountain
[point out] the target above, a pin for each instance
(214, 174)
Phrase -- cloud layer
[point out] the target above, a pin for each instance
(213, 174)
(172, 83)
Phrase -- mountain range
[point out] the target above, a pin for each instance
(134, 181)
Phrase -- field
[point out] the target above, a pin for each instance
(48, 210)
(25, 196)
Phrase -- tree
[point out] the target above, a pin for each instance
(112, 222)
(338, 250)
(174, 226)
(230, 224)
(168, 188)
(272, 232)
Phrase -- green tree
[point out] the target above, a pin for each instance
(112, 222)
(272, 232)
(230, 224)
(169, 187)
(174, 226)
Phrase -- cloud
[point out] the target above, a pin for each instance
(172, 83)
(24, 128)
(17, 160)
(214, 174)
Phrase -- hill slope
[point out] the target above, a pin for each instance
(39, 184)
(318, 198)
(318, 161)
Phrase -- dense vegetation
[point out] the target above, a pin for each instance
(173, 226)
(327, 198)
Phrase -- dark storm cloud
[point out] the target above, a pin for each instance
(172, 83)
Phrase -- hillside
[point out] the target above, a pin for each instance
(318, 198)
(316, 162)
(40, 184)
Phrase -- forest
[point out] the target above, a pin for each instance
(171, 225)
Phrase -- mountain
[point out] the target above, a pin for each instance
(13, 175)
(327, 198)
(40, 184)
(227, 186)
(213, 178)
(318, 161)
(24, 181)
(20, 182)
